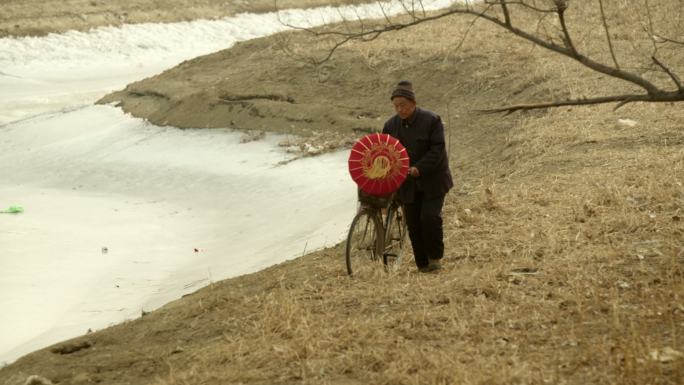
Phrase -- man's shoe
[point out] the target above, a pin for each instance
(433, 265)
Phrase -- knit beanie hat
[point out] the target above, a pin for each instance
(404, 89)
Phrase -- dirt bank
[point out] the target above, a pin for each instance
(40, 17)
(330, 103)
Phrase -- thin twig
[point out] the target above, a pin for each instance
(422, 7)
(530, 6)
(507, 15)
(651, 30)
(345, 23)
(360, 19)
(610, 41)
(566, 33)
(408, 11)
(384, 13)
(653, 35)
(470, 27)
(668, 71)
(669, 40)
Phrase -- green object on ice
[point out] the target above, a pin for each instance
(13, 210)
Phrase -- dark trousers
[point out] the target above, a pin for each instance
(424, 220)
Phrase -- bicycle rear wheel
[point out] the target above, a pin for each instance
(395, 237)
(364, 242)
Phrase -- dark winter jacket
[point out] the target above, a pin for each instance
(423, 136)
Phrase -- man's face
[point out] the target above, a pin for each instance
(404, 107)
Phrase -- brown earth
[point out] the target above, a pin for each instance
(564, 235)
(40, 17)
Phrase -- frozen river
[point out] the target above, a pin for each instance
(123, 216)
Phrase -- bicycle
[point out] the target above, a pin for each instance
(377, 233)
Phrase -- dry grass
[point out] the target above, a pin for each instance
(569, 271)
(565, 243)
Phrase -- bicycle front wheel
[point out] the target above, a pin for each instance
(364, 242)
(395, 237)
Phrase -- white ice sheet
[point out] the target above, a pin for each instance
(94, 178)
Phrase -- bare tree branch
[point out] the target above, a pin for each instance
(372, 34)
(384, 13)
(411, 12)
(586, 61)
(656, 40)
(652, 34)
(622, 99)
(359, 19)
(561, 7)
(610, 40)
(346, 24)
(507, 15)
(530, 6)
(470, 27)
(667, 70)
(567, 48)
(422, 7)
(649, 30)
(647, 6)
(668, 40)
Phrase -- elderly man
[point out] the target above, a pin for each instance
(422, 194)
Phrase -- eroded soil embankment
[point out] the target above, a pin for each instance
(40, 17)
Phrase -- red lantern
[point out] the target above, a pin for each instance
(378, 163)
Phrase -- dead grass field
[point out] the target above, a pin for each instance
(564, 235)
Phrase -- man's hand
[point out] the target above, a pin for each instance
(413, 171)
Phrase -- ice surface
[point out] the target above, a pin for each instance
(94, 178)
